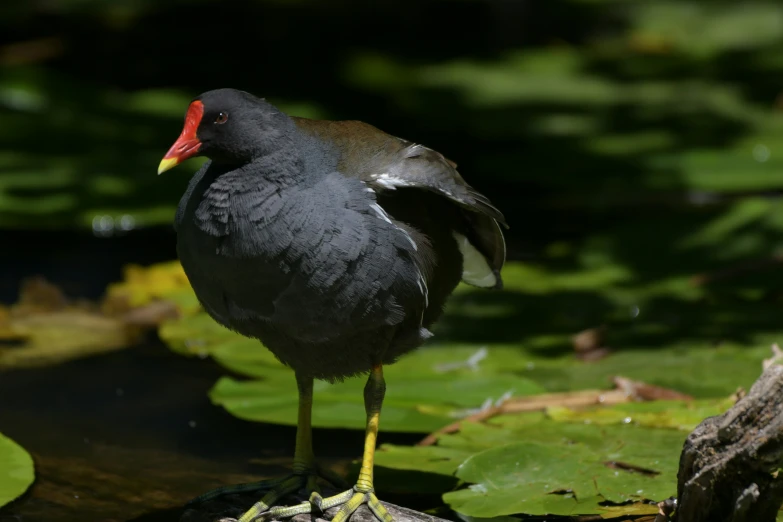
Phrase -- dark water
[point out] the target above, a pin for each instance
(131, 435)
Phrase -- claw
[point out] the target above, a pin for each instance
(317, 501)
(377, 509)
(348, 509)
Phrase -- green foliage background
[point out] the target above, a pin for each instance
(632, 145)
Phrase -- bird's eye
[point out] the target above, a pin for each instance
(221, 118)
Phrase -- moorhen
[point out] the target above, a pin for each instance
(334, 244)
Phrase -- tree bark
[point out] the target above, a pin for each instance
(730, 466)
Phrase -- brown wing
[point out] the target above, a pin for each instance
(386, 163)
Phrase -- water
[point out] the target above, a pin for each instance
(119, 436)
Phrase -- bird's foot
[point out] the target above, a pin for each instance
(349, 501)
(274, 489)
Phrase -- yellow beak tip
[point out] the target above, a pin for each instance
(167, 164)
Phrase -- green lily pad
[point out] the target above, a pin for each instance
(418, 398)
(524, 477)
(143, 285)
(17, 470)
(537, 463)
(434, 385)
(592, 465)
(426, 390)
(681, 415)
(439, 460)
(711, 372)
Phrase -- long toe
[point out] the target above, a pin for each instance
(349, 501)
(357, 499)
(291, 485)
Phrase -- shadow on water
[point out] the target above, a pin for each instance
(131, 435)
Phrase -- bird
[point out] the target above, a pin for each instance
(334, 244)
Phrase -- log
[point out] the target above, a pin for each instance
(730, 465)
(230, 507)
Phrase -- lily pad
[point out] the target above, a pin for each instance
(418, 399)
(142, 285)
(536, 463)
(425, 390)
(570, 477)
(60, 336)
(17, 470)
(46, 326)
(681, 415)
(453, 375)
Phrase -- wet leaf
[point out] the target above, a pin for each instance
(45, 326)
(425, 390)
(417, 400)
(636, 508)
(17, 470)
(144, 285)
(199, 335)
(597, 463)
(681, 415)
(522, 477)
(430, 459)
(59, 336)
(711, 371)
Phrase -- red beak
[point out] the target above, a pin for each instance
(187, 145)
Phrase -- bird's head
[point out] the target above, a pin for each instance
(225, 125)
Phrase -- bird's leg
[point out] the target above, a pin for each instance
(305, 470)
(363, 492)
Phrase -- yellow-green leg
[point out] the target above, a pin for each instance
(363, 492)
(305, 470)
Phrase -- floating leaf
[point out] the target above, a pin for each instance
(712, 372)
(142, 285)
(429, 459)
(45, 326)
(16, 470)
(526, 477)
(426, 389)
(59, 336)
(517, 463)
(591, 464)
(624, 510)
(417, 398)
(681, 415)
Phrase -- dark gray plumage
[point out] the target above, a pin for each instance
(333, 243)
